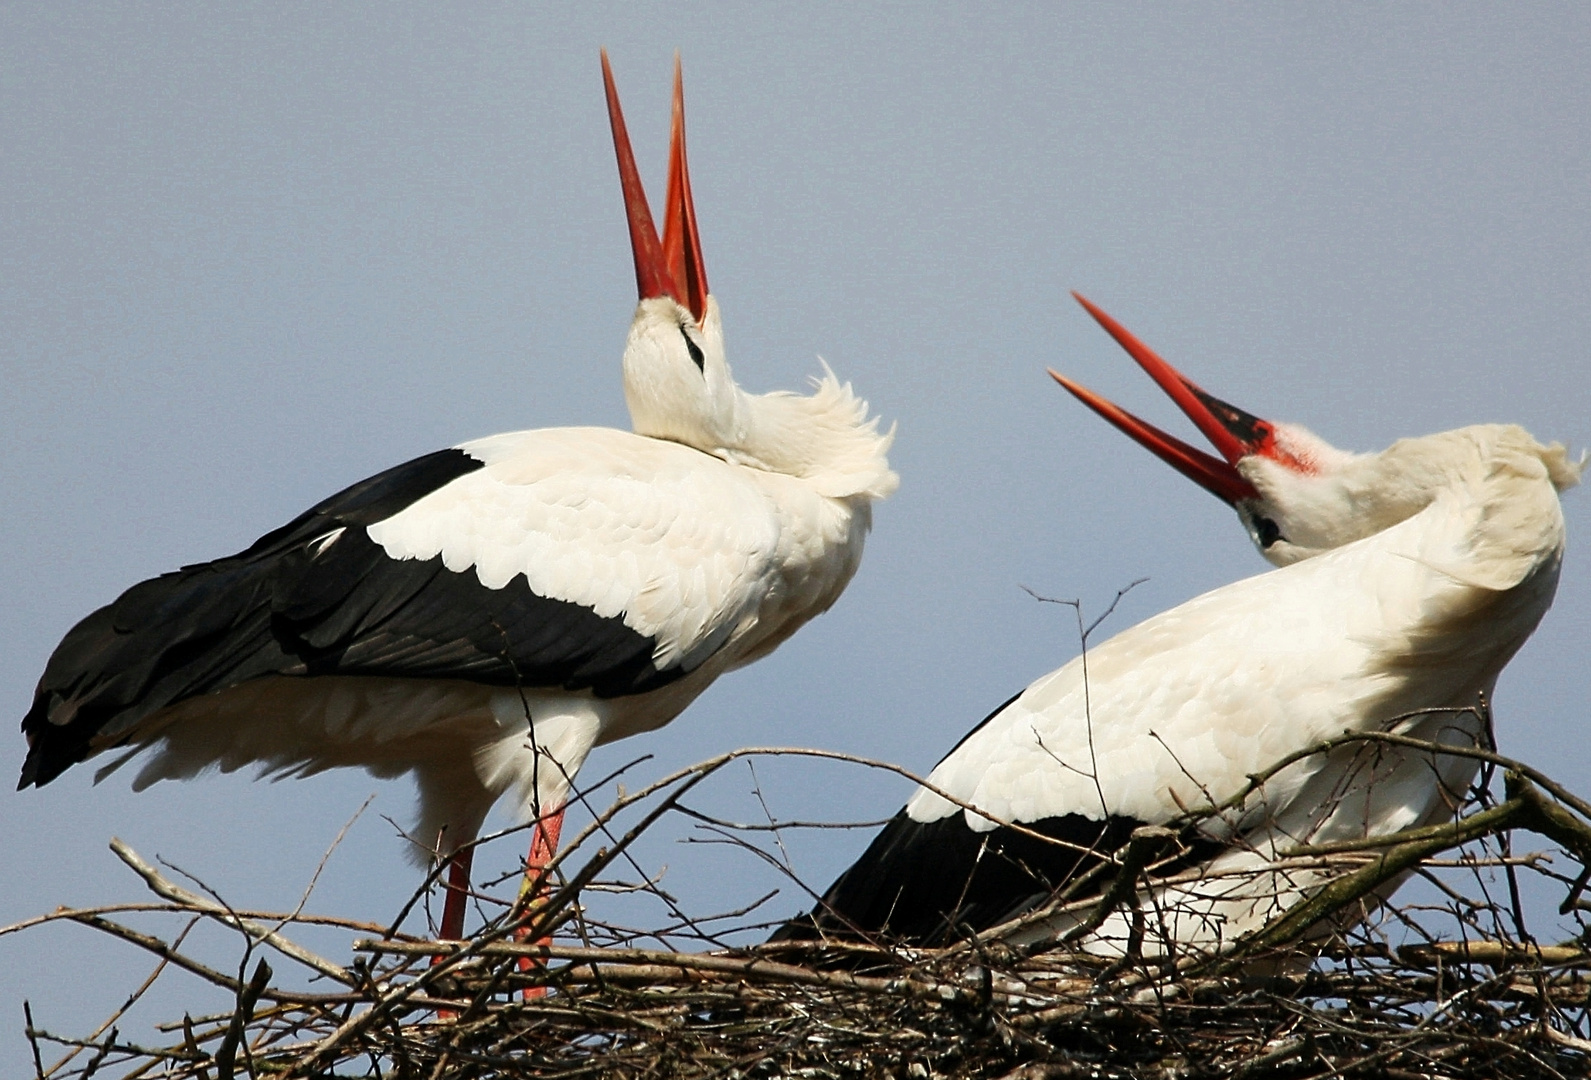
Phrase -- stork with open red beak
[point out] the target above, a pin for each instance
(1405, 581)
(481, 617)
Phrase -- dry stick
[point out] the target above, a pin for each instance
(1541, 780)
(73, 914)
(436, 872)
(226, 1056)
(102, 1052)
(874, 943)
(778, 837)
(702, 769)
(694, 774)
(1387, 864)
(540, 922)
(163, 950)
(1556, 823)
(160, 948)
(779, 826)
(1525, 808)
(160, 967)
(314, 879)
(1577, 839)
(357, 1024)
(635, 960)
(1426, 1022)
(162, 886)
(1066, 902)
(60, 914)
(33, 1039)
(1143, 845)
(1372, 843)
(439, 867)
(527, 903)
(131, 1049)
(1564, 1039)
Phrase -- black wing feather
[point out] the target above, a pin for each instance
(308, 600)
(929, 883)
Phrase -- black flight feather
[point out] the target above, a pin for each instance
(310, 600)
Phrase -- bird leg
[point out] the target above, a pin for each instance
(537, 885)
(457, 893)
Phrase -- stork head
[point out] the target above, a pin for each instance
(676, 379)
(1295, 494)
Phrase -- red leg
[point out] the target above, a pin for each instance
(543, 848)
(457, 895)
(537, 886)
(457, 891)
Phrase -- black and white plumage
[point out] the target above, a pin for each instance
(483, 616)
(1406, 580)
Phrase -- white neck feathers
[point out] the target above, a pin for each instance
(1498, 470)
(825, 438)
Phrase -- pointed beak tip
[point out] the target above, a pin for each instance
(1197, 405)
(1216, 476)
(1073, 388)
(669, 264)
(682, 244)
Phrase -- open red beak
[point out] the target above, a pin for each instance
(1234, 433)
(671, 266)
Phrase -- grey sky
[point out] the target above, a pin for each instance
(250, 257)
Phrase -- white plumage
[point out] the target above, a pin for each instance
(697, 552)
(717, 563)
(1406, 580)
(483, 616)
(1421, 615)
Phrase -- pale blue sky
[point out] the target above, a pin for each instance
(252, 255)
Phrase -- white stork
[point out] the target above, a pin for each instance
(481, 617)
(1405, 581)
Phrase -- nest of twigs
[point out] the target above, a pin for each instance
(1451, 987)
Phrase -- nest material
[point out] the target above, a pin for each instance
(1454, 989)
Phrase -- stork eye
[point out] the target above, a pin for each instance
(1268, 531)
(695, 350)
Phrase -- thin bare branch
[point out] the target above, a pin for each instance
(164, 887)
(1437, 986)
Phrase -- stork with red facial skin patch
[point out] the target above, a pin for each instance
(482, 617)
(1405, 581)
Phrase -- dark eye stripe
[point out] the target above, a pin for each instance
(695, 350)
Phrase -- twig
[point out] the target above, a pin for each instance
(160, 967)
(612, 961)
(33, 1039)
(161, 886)
(1439, 989)
(226, 1056)
(336, 842)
